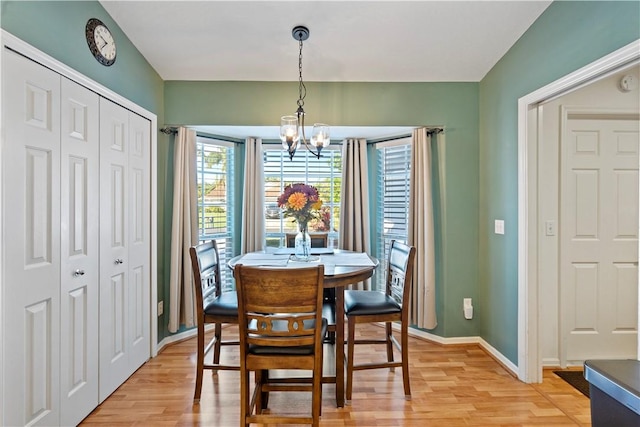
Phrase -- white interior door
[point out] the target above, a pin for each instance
(31, 244)
(124, 244)
(139, 239)
(79, 253)
(114, 268)
(599, 238)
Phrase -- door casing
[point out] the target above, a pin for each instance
(529, 361)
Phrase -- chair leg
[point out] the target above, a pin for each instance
(262, 398)
(245, 399)
(388, 335)
(405, 361)
(316, 396)
(199, 363)
(350, 347)
(217, 344)
(320, 373)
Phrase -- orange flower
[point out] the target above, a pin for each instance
(297, 201)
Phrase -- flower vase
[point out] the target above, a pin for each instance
(303, 243)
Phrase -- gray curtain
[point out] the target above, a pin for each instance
(184, 231)
(421, 232)
(354, 206)
(253, 221)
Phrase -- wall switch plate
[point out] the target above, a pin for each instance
(499, 226)
(160, 308)
(550, 228)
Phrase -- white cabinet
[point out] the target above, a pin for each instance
(76, 245)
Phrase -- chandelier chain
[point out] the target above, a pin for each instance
(302, 89)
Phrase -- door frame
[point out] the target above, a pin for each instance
(529, 359)
(9, 41)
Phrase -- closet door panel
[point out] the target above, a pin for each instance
(31, 242)
(79, 252)
(139, 238)
(114, 247)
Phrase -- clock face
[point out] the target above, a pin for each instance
(101, 42)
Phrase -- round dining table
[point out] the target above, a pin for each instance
(336, 276)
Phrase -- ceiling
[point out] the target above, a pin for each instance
(382, 41)
(366, 41)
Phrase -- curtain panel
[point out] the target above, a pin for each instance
(184, 231)
(421, 232)
(354, 203)
(253, 220)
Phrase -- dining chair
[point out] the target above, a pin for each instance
(389, 306)
(212, 306)
(281, 327)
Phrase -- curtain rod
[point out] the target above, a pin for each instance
(430, 131)
(169, 130)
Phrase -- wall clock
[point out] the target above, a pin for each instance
(101, 42)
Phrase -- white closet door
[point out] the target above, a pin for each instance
(31, 242)
(79, 253)
(114, 263)
(139, 239)
(124, 245)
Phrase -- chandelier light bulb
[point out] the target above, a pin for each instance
(289, 133)
(320, 137)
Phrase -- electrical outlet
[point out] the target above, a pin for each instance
(160, 308)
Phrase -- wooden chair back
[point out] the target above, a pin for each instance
(400, 272)
(205, 264)
(279, 307)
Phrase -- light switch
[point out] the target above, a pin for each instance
(499, 226)
(550, 228)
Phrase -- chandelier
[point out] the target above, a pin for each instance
(292, 126)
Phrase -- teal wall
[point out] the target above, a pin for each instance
(57, 29)
(452, 105)
(566, 37)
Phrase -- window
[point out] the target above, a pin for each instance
(394, 167)
(324, 173)
(215, 181)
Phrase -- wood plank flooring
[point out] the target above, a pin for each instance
(451, 386)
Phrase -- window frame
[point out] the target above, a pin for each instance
(225, 240)
(307, 176)
(384, 238)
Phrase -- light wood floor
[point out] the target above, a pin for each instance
(451, 386)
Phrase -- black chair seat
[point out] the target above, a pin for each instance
(286, 351)
(369, 302)
(224, 305)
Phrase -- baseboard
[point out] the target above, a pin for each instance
(499, 357)
(495, 354)
(550, 362)
(181, 336)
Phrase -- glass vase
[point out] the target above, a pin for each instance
(303, 243)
